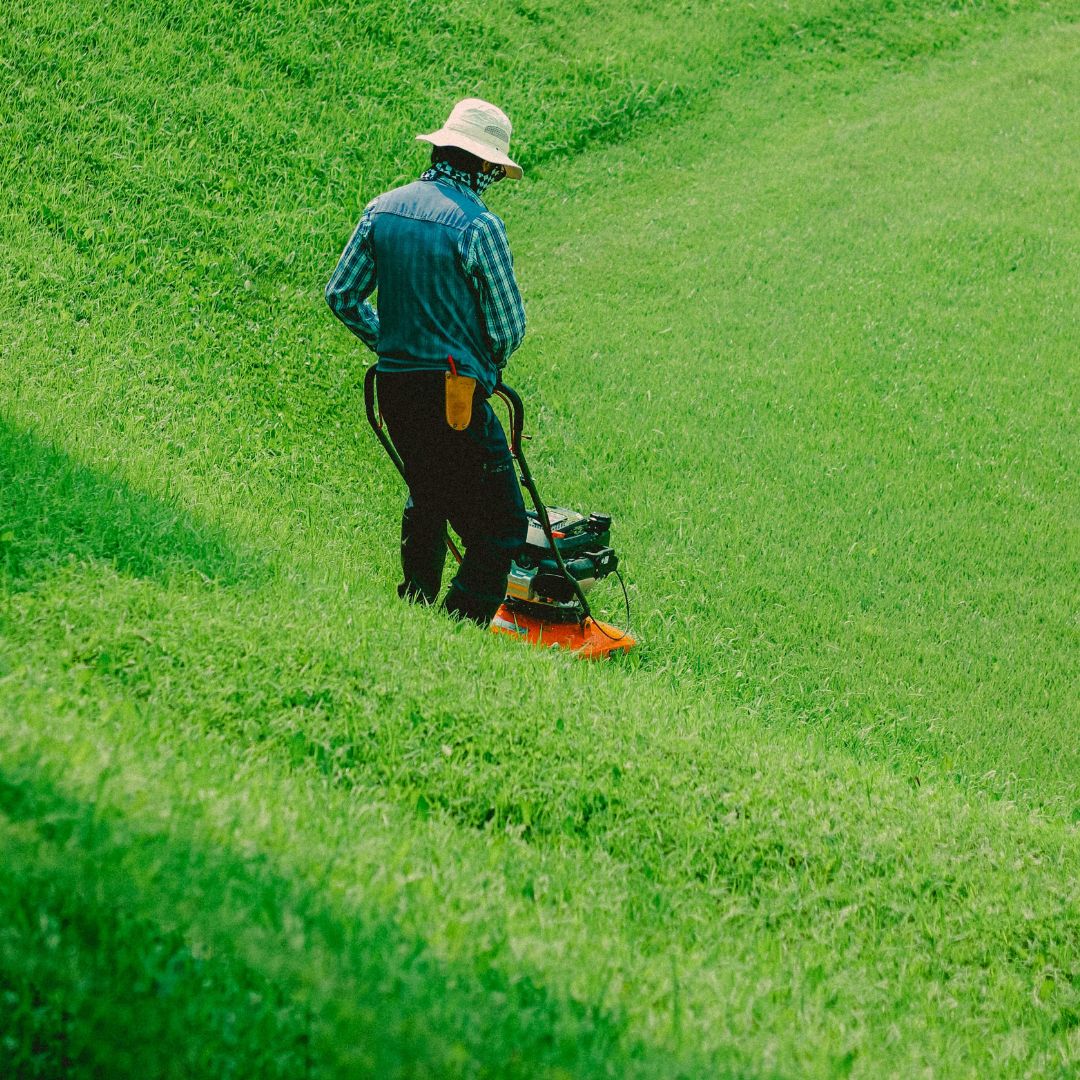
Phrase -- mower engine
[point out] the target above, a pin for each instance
(542, 604)
(585, 546)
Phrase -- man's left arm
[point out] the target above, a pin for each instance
(354, 281)
(491, 268)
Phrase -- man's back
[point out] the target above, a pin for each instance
(427, 308)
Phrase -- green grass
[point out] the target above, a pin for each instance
(802, 284)
(859, 383)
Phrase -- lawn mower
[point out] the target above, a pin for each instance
(564, 555)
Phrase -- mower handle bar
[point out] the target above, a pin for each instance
(517, 420)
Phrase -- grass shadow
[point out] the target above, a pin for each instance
(131, 951)
(56, 511)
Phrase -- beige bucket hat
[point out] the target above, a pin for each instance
(482, 129)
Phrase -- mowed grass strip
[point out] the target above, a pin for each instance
(741, 904)
(128, 951)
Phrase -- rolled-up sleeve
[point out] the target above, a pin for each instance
(354, 281)
(490, 267)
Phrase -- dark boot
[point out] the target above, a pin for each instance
(460, 605)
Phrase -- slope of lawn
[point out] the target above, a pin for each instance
(835, 411)
(802, 283)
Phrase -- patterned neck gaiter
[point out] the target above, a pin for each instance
(485, 180)
(478, 182)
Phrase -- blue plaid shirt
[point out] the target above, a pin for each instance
(485, 259)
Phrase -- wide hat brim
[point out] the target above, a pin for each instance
(484, 151)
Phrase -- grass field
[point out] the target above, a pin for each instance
(802, 281)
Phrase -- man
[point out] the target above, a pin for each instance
(449, 316)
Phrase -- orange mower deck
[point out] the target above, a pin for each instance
(591, 640)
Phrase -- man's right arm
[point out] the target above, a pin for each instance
(354, 281)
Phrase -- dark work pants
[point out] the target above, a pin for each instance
(466, 478)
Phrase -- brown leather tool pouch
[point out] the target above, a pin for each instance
(459, 400)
